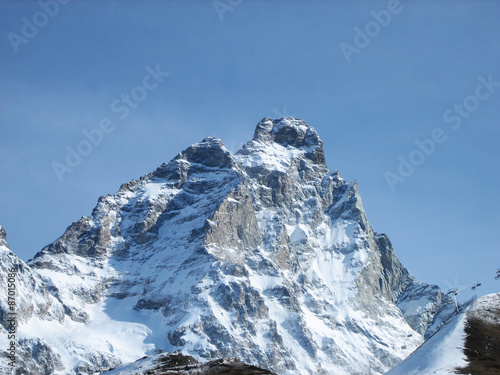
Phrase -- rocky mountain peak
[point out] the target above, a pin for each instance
(286, 131)
(3, 237)
(210, 152)
(283, 146)
(291, 132)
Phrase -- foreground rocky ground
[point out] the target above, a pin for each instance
(178, 364)
(468, 344)
(482, 341)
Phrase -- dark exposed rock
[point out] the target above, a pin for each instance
(178, 364)
(482, 341)
(291, 132)
(36, 357)
(210, 152)
(81, 239)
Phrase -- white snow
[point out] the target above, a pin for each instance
(270, 156)
(439, 355)
(71, 340)
(298, 233)
(486, 308)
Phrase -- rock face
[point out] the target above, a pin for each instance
(263, 255)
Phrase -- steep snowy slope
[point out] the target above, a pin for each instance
(468, 342)
(265, 256)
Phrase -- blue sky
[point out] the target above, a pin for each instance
(254, 59)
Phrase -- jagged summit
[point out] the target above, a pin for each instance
(279, 145)
(210, 152)
(288, 132)
(263, 255)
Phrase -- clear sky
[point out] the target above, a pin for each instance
(412, 85)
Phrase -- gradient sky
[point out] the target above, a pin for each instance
(256, 59)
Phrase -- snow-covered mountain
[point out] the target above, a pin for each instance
(263, 255)
(469, 343)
